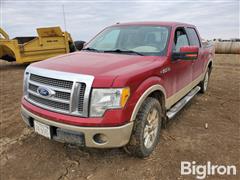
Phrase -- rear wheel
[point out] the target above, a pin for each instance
(204, 83)
(147, 126)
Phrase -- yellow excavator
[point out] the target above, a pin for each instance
(50, 42)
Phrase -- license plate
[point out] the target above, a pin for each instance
(42, 129)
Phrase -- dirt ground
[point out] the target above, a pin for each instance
(26, 155)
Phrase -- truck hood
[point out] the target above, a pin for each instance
(105, 67)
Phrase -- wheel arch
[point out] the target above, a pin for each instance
(7, 53)
(210, 65)
(157, 91)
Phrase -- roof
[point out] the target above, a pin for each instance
(149, 23)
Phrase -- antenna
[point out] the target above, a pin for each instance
(64, 19)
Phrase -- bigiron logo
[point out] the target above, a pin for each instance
(209, 169)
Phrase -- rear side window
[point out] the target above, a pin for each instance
(193, 37)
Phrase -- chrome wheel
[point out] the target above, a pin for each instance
(205, 83)
(151, 128)
(146, 132)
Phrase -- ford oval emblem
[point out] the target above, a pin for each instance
(43, 91)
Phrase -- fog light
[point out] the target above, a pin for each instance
(100, 138)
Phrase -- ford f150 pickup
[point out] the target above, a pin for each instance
(120, 89)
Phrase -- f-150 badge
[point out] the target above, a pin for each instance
(165, 70)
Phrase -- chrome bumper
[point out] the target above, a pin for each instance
(115, 136)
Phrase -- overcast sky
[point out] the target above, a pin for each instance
(214, 19)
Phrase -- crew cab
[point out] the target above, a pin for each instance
(120, 89)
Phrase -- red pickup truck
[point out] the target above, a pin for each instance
(120, 89)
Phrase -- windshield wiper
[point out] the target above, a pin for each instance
(90, 49)
(124, 51)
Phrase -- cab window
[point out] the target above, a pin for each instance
(193, 37)
(180, 39)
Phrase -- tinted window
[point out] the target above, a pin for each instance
(180, 39)
(193, 37)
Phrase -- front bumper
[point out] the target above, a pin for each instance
(114, 136)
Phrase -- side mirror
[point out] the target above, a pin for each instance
(186, 53)
(79, 45)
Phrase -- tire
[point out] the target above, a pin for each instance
(141, 143)
(8, 58)
(204, 83)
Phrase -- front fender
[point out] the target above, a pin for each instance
(143, 91)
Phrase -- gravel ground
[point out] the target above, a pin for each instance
(26, 155)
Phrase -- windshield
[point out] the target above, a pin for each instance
(144, 40)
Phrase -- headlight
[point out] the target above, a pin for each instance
(103, 99)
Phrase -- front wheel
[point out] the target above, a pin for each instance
(147, 126)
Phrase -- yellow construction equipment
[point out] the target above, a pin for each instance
(50, 42)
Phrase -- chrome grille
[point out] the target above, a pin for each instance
(32, 87)
(69, 92)
(58, 95)
(62, 95)
(81, 97)
(51, 81)
(49, 103)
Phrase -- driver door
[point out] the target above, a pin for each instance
(181, 69)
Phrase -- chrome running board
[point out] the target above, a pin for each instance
(180, 104)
